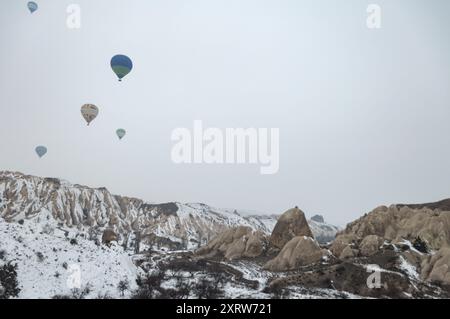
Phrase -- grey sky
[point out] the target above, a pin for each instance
(363, 114)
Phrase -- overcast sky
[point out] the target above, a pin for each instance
(363, 114)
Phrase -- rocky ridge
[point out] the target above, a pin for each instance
(406, 245)
(127, 220)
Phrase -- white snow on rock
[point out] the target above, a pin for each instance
(172, 225)
(323, 232)
(409, 269)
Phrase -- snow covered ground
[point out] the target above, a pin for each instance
(53, 261)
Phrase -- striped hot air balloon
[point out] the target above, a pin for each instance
(89, 112)
(121, 65)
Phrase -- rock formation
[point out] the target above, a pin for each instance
(109, 236)
(370, 245)
(289, 225)
(299, 251)
(236, 243)
(395, 224)
(341, 242)
(318, 218)
(348, 252)
(169, 225)
(436, 268)
(431, 222)
(323, 232)
(415, 231)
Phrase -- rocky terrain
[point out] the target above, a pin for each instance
(170, 225)
(59, 240)
(395, 252)
(426, 226)
(322, 231)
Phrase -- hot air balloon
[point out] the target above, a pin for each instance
(41, 151)
(32, 6)
(121, 65)
(121, 133)
(89, 112)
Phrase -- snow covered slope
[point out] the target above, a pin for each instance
(170, 225)
(323, 232)
(55, 261)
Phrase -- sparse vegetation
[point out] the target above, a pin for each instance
(76, 293)
(47, 229)
(9, 286)
(40, 256)
(149, 287)
(421, 245)
(277, 292)
(183, 287)
(182, 279)
(207, 289)
(123, 286)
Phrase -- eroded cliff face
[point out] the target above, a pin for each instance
(398, 222)
(407, 246)
(410, 244)
(299, 251)
(236, 243)
(172, 225)
(424, 227)
(290, 245)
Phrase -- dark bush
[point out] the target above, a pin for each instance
(9, 286)
(277, 292)
(40, 256)
(421, 245)
(207, 289)
(76, 293)
(123, 286)
(149, 287)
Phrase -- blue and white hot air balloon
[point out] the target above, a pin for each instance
(121, 133)
(32, 6)
(41, 151)
(121, 65)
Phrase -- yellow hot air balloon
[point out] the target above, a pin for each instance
(89, 112)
